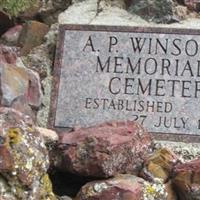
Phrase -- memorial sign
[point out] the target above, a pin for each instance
(149, 75)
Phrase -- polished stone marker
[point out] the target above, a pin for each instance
(149, 75)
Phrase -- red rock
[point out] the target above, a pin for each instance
(19, 87)
(14, 83)
(23, 158)
(123, 187)
(104, 150)
(32, 35)
(12, 35)
(187, 180)
(21, 105)
(8, 54)
(6, 160)
(34, 93)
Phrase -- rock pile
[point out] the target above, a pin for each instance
(109, 150)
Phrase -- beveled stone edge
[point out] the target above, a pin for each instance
(135, 29)
(56, 79)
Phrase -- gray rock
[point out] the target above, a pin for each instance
(50, 10)
(154, 10)
(104, 13)
(65, 198)
(186, 151)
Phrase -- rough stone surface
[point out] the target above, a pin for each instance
(101, 91)
(65, 198)
(43, 113)
(31, 12)
(104, 150)
(90, 12)
(117, 3)
(19, 83)
(123, 187)
(87, 12)
(14, 83)
(187, 180)
(181, 12)
(159, 165)
(40, 59)
(34, 94)
(48, 135)
(8, 54)
(20, 104)
(50, 10)
(23, 158)
(171, 193)
(154, 10)
(185, 151)
(11, 36)
(32, 35)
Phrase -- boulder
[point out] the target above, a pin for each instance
(32, 35)
(186, 178)
(154, 10)
(123, 187)
(23, 157)
(159, 165)
(20, 87)
(104, 150)
(11, 36)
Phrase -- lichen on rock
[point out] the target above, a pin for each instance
(24, 172)
(125, 187)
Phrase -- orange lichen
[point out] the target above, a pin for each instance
(14, 135)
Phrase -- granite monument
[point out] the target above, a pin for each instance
(148, 75)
